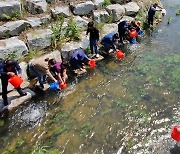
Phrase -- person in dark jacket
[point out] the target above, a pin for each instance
(110, 41)
(77, 59)
(9, 68)
(151, 13)
(94, 38)
(58, 69)
(122, 29)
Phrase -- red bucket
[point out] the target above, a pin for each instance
(63, 85)
(16, 81)
(92, 63)
(133, 34)
(120, 54)
(175, 134)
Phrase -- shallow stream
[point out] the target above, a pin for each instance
(124, 106)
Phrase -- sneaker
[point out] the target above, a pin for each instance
(97, 55)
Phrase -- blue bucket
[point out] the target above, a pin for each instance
(140, 33)
(54, 86)
(133, 41)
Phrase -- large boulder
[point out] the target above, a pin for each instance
(35, 6)
(83, 8)
(69, 47)
(127, 18)
(14, 28)
(101, 16)
(39, 39)
(131, 8)
(12, 46)
(60, 10)
(3, 32)
(98, 3)
(80, 22)
(109, 28)
(38, 21)
(116, 10)
(9, 9)
(120, 1)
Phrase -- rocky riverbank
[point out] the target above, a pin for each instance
(30, 28)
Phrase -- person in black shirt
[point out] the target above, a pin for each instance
(94, 38)
(9, 68)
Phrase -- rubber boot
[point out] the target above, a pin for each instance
(20, 91)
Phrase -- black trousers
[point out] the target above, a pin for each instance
(150, 19)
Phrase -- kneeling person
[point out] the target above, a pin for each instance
(77, 60)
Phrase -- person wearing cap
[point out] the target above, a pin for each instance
(40, 67)
(9, 68)
(152, 11)
(77, 60)
(110, 41)
(58, 69)
(93, 38)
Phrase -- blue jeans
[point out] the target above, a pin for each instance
(41, 78)
(93, 46)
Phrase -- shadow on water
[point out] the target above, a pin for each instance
(126, 106)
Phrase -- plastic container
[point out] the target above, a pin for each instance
(141, 33)
(54, 86)
(63, 85)
(175, 134)
(120, 54)
(133, 41)
(16, 81)
(133, 34)
(92, 63)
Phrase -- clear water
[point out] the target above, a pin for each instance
(124, 106)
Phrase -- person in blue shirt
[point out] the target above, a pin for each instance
(110, 41)
(151, 13)
(9, 68)
(77, 60)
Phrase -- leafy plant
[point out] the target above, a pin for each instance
(72, 30)
(11, 55)
(40, 150)
(110, 19)
(106, 3)
(57, 29)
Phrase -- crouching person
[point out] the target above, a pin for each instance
(58, 69)
(9, 68)
(77, 60)
(40, 67)
(110, 41)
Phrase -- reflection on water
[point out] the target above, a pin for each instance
(126, 106)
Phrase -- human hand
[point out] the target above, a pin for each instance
(11, 73)
(20, 75)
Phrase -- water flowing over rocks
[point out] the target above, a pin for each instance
(39, 39)
(9, 9)
(116, 10)
(12, 46)
(83, 8)
(36, 6)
